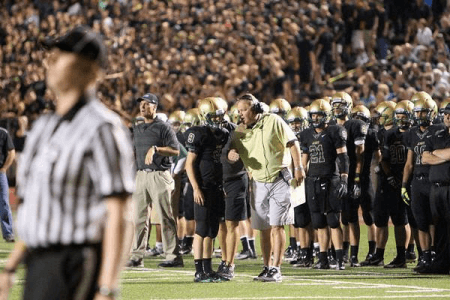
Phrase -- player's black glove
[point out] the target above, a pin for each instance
(342, 187)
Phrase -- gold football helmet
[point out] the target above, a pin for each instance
(420, 96)
(280, 107)
(176, 119)
(297, 118)
(342, 104)
(383, 114)
(406, 109)
(234, 115)
(361, 112)
(323, 109)
(427, 105)
(191, 118)
(212, 111)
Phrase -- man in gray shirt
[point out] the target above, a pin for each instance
(154, 142)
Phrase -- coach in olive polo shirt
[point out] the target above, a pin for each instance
(154, 142)
(267, 146)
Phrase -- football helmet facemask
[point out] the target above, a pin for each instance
(321, 108)
(403, 114)
(342, 104)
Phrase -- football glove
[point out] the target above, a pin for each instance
(342, 187)
(356, 193)
(405, 196)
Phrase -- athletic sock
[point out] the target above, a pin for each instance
(401, 253)
(339, 255)
(293, 243)
(372, 246)
(207, 265)
(345, 246)
(159, 246)
(354, 251)
(420, 251)
(323, 257)
(251, 243)
(379, 253)
(198, 265)
(189, 241)
(244, 241)
(411, 248)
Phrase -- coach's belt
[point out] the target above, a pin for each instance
(150, 170)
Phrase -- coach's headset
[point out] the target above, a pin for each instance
(257, 107)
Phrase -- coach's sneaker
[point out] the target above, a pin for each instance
(262, 274)
(274, 275)
(396, 263)
(154, 252)
(135, 263)
(354, 262)
(410, 256)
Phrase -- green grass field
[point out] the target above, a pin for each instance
(353, 283)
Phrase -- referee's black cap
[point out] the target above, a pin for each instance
(150, 98)
(81, 40)
(447, 109)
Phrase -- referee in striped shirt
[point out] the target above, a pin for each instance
(74, 178)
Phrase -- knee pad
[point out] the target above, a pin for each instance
(302, 217)
(381, 221)
(201, 229)
(213, 231)
(319, 220)
(368, 218)
(333, 220)
(353, 218)
(344, 218)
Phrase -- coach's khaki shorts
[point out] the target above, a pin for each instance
(271, 204)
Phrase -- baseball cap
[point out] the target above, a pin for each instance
(447, 109)
(81, 40)
(150, 98)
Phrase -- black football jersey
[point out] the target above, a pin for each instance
(438, 138)
(356, 134)
(415, 141)
(181, 138)
(394, 151)
(230, 170)
(321, 148)
(371, 145)
(207, 143)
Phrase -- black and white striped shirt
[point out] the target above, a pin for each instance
(68, 166)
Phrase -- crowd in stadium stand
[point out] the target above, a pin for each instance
(184, 50)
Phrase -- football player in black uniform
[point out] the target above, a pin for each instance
(440, 117)
(372, 153)
(342, 104)
(394, 159)
(425, 110)
(324, 147)
(204, 171)
(437, 155)
(297, 119)
(383, 119)
(191, 118)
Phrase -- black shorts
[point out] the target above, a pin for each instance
(236, 198)
(321, 195)
(302, 216)
(351, 205)
(63, 272)
(420, 202)
(213, 210)
(188, 203)
(389, 203)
